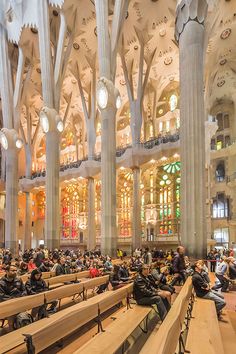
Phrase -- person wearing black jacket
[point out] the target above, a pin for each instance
(146, 294)
(36, 285)
(62, 267)
(11, 287)
(124, 272)
(179, 266)
(202, 288)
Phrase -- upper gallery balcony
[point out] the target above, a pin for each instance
(127, 156)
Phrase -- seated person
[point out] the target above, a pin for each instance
(61, 267)
(124, 272)
(45, 266)
(232, 268)
(23, 269)
(31, 265)
(164, 272)
(11, 287)
(36, 285)
(202, 288)
(222, 275)
(108, 266)
(115, 278)
(146, 294)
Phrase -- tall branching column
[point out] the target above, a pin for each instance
(107, 53)
(52, 235)
(11, 153)
(136, 216)
(190, 34)
(91, 238)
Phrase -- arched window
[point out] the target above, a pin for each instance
(220, 171)
(220, 207)
(173, 102)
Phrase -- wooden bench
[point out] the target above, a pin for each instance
(204, 333)
(166, 338)
(45, 275)
(59, 280)
(116, 333)
(47, 331)
(14, 306)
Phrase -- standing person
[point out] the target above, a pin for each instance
(179, 266)
(202, 288)
(222, 275)
(212, 260)
(147, 257)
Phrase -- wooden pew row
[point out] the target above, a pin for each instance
(166, 339)
(45, 275)
(14, 306)
(204, 333)
(116, 333)
(48, 331)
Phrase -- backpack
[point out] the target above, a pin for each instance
(22, 319)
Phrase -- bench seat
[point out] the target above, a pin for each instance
(47, 331)
(116, 333)
(204, 333)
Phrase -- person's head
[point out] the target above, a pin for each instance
(197, 267)
(35, 274)
(180, 250)
(145, 270)
(23, 265)
(62, 260)
(11, 271)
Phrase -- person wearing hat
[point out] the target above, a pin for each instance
(146, 294)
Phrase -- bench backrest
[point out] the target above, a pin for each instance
(14, 306)
(166, 340)
(75, 317)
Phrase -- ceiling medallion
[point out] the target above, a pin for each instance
(168, 60)
(38, 70)
(226, 33)
(171, 78)
(55, 13)
(76, 46)
(221, 83)
(223, 62)
(136, 47)
(162, 32)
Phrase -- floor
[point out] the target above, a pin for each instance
(228, 324)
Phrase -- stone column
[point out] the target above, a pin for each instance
(28, 220)
(11, 155)
(108, 137)
(108, 174)
(52, 220)
(11, 213)
(91, 238)
(136, 215)
(190, 34)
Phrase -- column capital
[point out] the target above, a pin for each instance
(189, 10)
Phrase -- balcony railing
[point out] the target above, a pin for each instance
(224, 145)
(149, 144)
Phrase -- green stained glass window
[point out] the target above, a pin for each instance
(172, 167)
